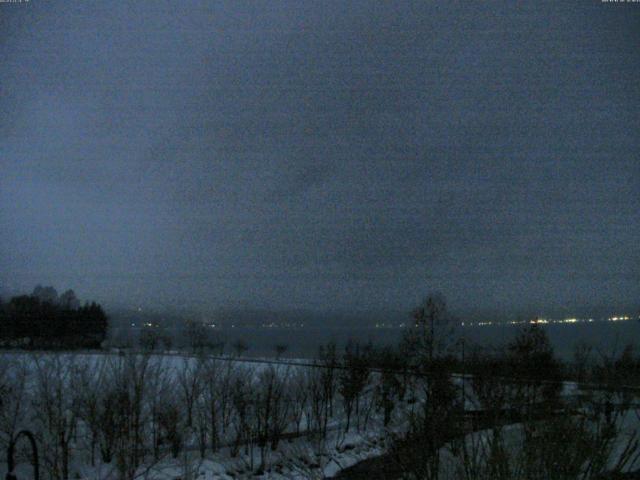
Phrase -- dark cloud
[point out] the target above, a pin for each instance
(334, 155)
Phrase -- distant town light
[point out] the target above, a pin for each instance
(544, 321)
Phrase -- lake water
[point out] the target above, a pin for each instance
(604, 337)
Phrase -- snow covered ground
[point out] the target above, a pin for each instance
(300, 453)
(297, 455)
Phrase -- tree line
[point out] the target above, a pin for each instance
(132, 412)
(498, 413)
(46, 320)
(515, 410)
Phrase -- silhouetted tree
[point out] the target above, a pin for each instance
(353, 378)
(389, 388)
(427, 338)
(532, 364)
(281, 349)
(240, 346)
(46, 294)
(36, 323)
(148, 339)
(69, 300)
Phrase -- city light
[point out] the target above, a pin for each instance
(548, 321)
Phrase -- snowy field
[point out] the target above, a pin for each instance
(102, 416)
(188, 417)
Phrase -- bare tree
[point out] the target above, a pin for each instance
(241, 393)
(197, 336)
(188, 375)
(531, 360)
(429, 336)
(208, 399)
(167, 341)
(169, 421)
(240, 347)
(160, 385)
(271, 410)
(14, 397)
(300, 389)
(280, 349)
(149, 339)
(419, 451)
(91, 381)
(126, 412)
(56, 417)
(328, 360)
(388, 385)
(353, 378)
(431, 426)
(317, 409)
(582, 353)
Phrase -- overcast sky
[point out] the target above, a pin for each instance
(323, 155)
